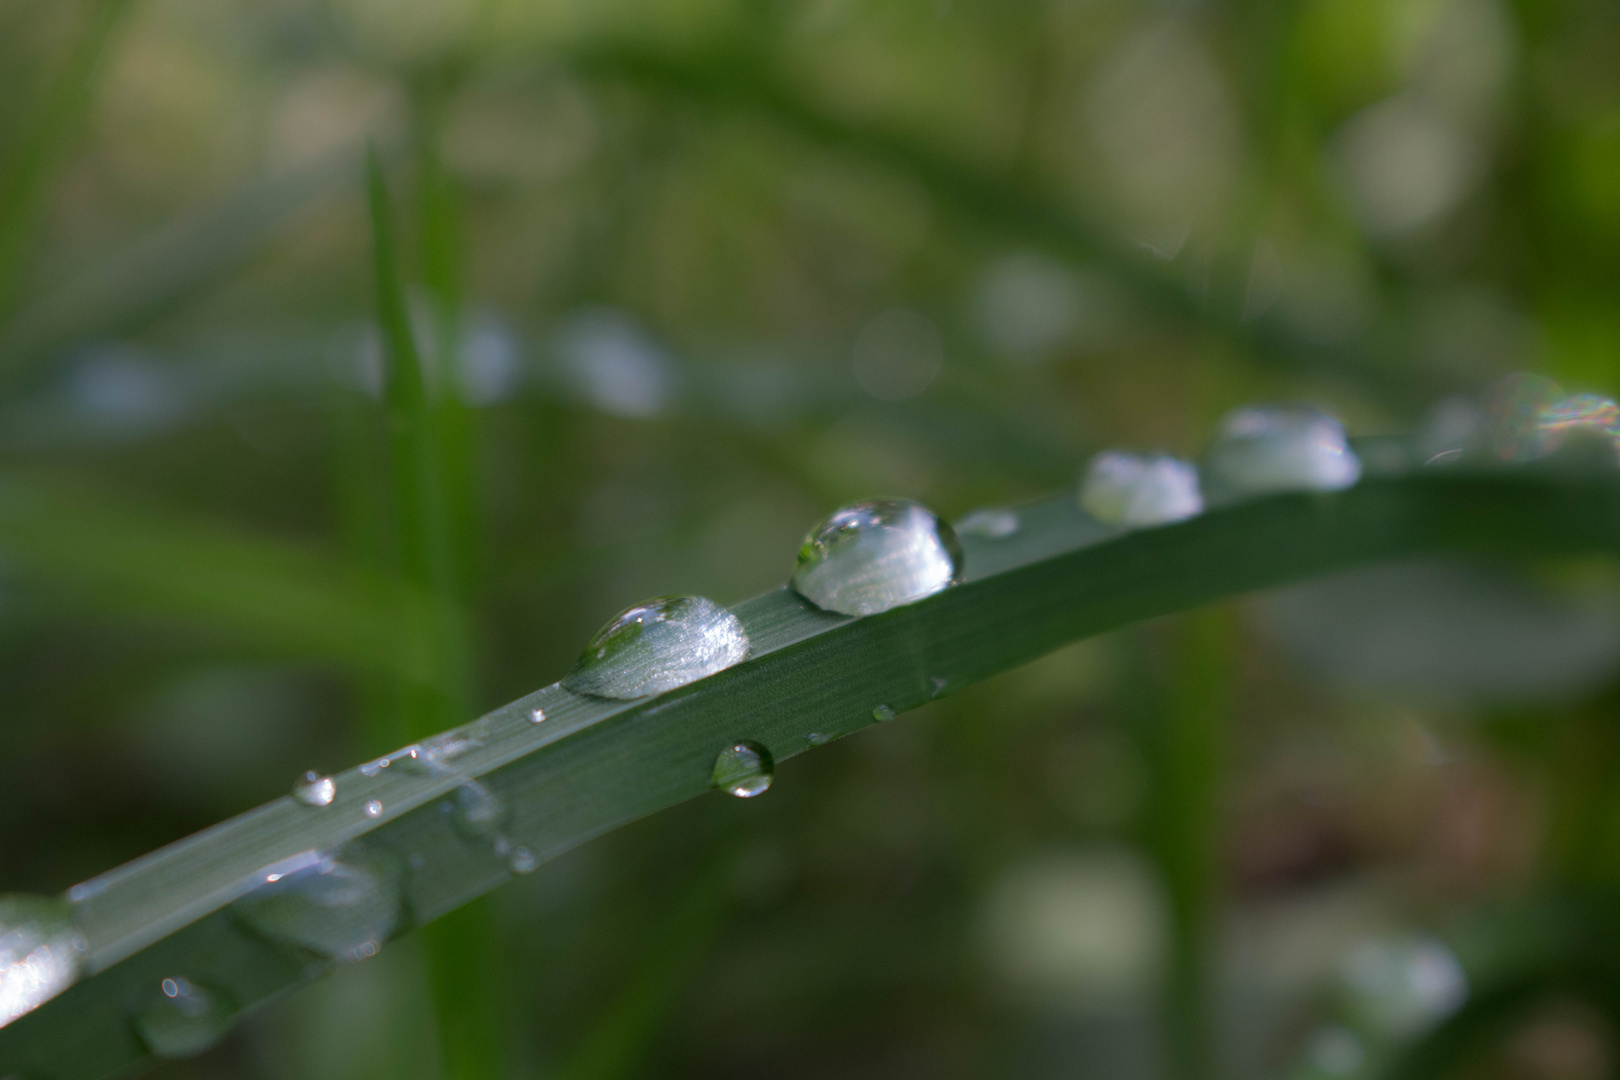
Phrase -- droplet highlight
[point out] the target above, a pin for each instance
(657, 646)
(872, 556)
(1268, 449)
(537, 715)
(374, 808)
(990, 524)
(883, 713)
(41, 953)
(743, 769)
(1120, 488)
(315, 789)
(342, 907)
(183, 1018)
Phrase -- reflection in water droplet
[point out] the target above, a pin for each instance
(992, 524)
(744, 769)
(40, 952)
(653, 647)
(1140, 489)
(374, 808)
(341, 906)
(1269, 449)
(183, 1019)
(537, 716)
(883, 712)
(523, 861)
(315, 789)
(872, 556)
(474, 811)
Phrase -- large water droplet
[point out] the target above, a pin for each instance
(1140, 489)
(183, 1019)
(40, 953)
(871, 556)
(653, 647)
(341, 906)
(474, 811)
(315, 789)
(1269, 449)
(744, 769)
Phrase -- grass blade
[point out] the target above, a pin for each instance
(593, 764)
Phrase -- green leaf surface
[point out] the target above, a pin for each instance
(591, 765)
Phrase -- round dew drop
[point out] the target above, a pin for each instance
(315, 789)
(872, 556)
(41, 953)
(743, 769)
(183, 1019)
(342, 906)
(1266, 449)
(657, 646)
(523, 861)
(1140, 489)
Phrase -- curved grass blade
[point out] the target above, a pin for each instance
(593, 765)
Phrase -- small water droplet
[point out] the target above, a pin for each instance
(744, 769)
(1140, 489)
(938, 684)
(537, 715)
(40, 953)
(183, 1019)
(818, 738)
(341, 906)
(374, 808)
(315, 789)
(372, 768)
(872, 556)
(657, 646)
(474, 811)
(883, 713)
(992, 524)
(523, 861)
(1266, 449)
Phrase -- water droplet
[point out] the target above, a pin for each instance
(872, 556)
(1580, 413)
(1514, 408)
(1405, 984)
(342, 906)
(744, 769)
(653, 647)
(1268, 449)
(818, 738)
(474, 811)
(40, 953)
(523, 861)
(938, 684)
(315, 789)
(372, 768)
(374, 808)
(537, 715)
(183, 1019)
(991, 524)
(883, 713)
(1140, 489)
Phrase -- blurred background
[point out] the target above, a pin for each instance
(687, 275)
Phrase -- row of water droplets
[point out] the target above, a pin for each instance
(864, 559)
